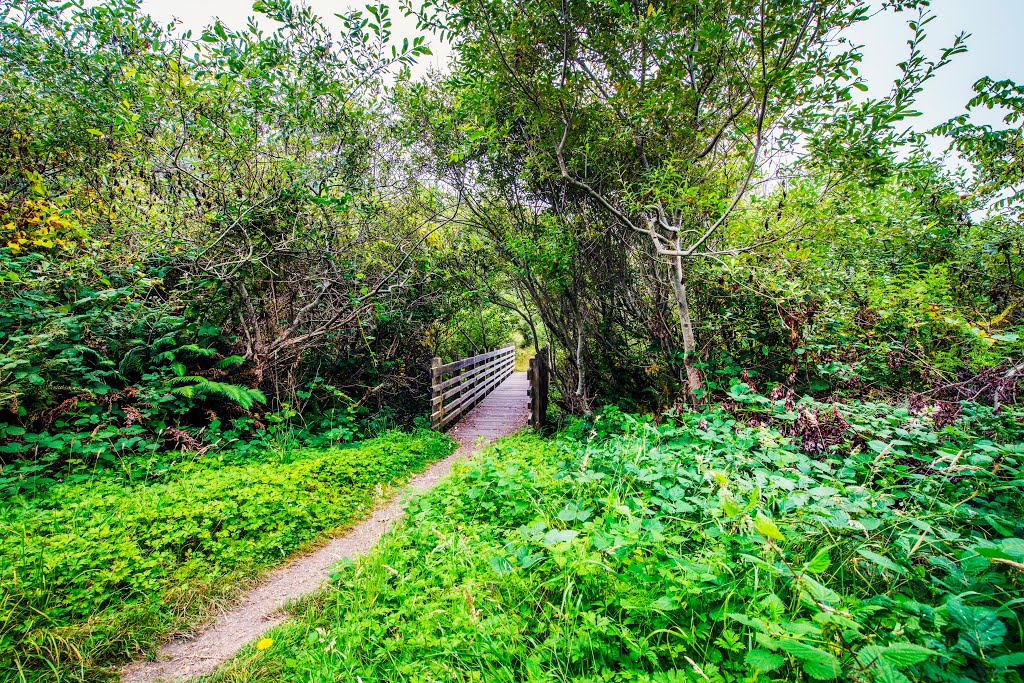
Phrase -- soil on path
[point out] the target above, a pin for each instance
(505, 410)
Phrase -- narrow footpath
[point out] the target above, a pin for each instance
(503, 411)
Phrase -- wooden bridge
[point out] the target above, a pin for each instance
(483, 397)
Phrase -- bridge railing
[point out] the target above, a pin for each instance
(457, 387)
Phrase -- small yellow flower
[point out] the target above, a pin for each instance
(264, 644)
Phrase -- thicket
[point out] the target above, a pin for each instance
(203, 241)
(95, 571)
(220, 247)
(218, 239)
(723, 545)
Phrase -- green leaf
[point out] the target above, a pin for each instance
(906, 654)
(664, 604)
(767, 528)
(573, 512)
(500, 565)
(819, 563)
(763, 660)
(1014, 547)
(880, 560)
(816, 663)
(819, 592)
(760, 563)
(743, 619)
(980, 627)
(992, 553)
(1011, 660)
(559, 536)
(885, 672)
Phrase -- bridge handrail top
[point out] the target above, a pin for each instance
(459, 364)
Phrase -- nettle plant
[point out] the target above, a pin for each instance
(697, 547)
(896, 553)
(892, 559)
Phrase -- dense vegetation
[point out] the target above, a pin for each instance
(96, 569)
(785, 339)
(699, 548)
(207, 236)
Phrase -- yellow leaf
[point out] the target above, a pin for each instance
(650, 9)
(767, 528)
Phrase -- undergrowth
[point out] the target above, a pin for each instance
(93, 572)
(697, 549)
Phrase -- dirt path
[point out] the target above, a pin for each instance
(502, 412)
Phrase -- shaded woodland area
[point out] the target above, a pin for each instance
(772, 309)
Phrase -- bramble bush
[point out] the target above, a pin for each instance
(701, 548)
(93, 572)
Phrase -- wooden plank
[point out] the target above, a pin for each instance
(449, 368)
(545, 386)
(469, 401)
(539, 379)
(471, 380)
(486, 372)
(474, 377)
(457, 379)
(465, 362)
(479, 390)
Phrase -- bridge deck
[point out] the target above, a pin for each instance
(503, 411)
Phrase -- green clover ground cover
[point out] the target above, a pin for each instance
(700, 549)
(92, 572)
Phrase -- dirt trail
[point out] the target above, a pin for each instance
(502, 412)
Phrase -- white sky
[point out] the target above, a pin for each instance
(996, 45)
(995, 48)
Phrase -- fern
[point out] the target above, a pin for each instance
(201, 387)
(132, 361)
(185, 350)
(195, 350)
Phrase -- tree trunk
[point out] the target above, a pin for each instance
(693, 380)
(581, 384)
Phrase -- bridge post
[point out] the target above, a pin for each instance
(436, 404)
(539, 377)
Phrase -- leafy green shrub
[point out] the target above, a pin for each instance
(94, 571)
(99, 368)
(701, 549)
